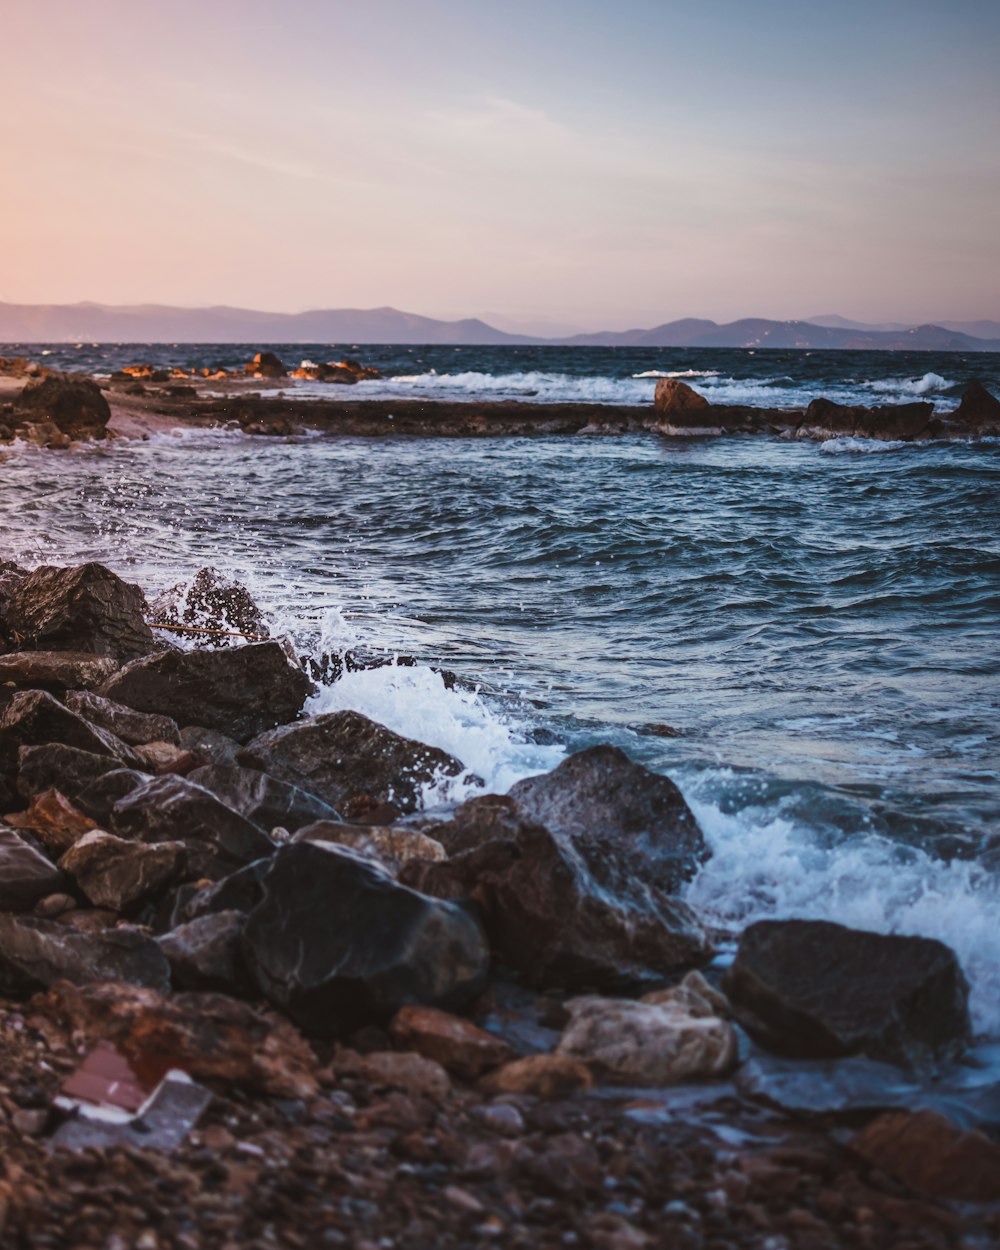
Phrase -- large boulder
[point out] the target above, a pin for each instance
(265, 800)
(265, 365)
(87, 608)
(55, 670)
(239, 691)
(343, 755)
(72, 403)
(135, 728)
(677, 399)
(117, 873)
(37, 718)
(210, 601)
(979, 411)
(25, 874)
(337, 943)
(174, 809)
(68, 769)
(36, 953)
(825, 418)
(817, 989)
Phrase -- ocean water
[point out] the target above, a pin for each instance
(803, 636)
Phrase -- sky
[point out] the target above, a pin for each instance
(552, 164)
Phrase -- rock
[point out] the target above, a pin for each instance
(86, 608)
(35, 953)
(932, 1157)
(68, 769)
(542, 1076)
(265, 365)
(678, 399)
(164, 757)
(210, 1036)
(211, 601)
(643, 1043)
(26, 876)
(73, 403)
(337, 943)
(53, 820)
(205, 954)
(241, 891)
(115, 873)
(414, 1074)
(55, 905)
(895, 421)
(265, 800)
(458, 1045)
(56, 670)
(978, 410)
(239, 691)
(213, 747)
(817, 989)
(135, 728)
(36, 718)
(97, 799)
(342, 754)
(390, 847)
(171, 808)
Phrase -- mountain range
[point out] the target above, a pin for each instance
(160, 323)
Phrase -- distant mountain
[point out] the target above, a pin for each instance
(159, 323)
(976, 329)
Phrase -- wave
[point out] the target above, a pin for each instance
(902, 388)
(678, 373)
(861, 446)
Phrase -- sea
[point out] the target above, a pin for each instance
(805, 636)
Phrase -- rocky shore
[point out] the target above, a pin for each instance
(253, 993)
(58, 410)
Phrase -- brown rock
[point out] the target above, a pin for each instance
(56, 670)
(211, 601)
(412, 1073)
(265, 365)
(460, 1046)
(126, 723)
(675, 397)
(164, 757)
(37, 718)
(54, 821)
(391, 847)
(544, 1076)
(113, 872)
(932, 1156)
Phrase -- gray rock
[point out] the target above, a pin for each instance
(116, 873)
(97, 799)
(26, 876)
(35, 953)
(215, 748)
(135, 728)
(36, 718)
(68, 769)
(265, 800)
(206, 954)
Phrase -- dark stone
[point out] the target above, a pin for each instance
(87, 608)
(56, 670)
(978, 408)
(174, 809)
(37, 718)
(74, 403)
(99, 797)
(213, 747)
(817, 989)
(35, 953)
(337, 943)
(117, 873)
(68, 769)
(239, 691)
(677, 399)
(241, 891)
(895, 421)
(206, 953)
(341, 755)
(211, 601)
(266, 365)
(135, 728)
(833, 418)
(266, 801)
(25, 874)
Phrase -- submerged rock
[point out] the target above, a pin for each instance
(817, 989)
(125, 723)
(116, 873)
(265, 800)
(26, 876)
(337, 943)
(36, 953)
(239, 691)
(340, 755)
(86, 608)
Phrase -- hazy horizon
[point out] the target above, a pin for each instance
(564, 166)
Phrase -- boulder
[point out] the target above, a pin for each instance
(241, 891)
(115, 873)
(337, 943)
(388, 846)
(26, 876)
(265, 800)
(56, 671)
(68, 769)
(213, 747)
(676, 398)
(125, 723)
(932, 1156)
(211, 601)
(978, 410)
(461, 1047)
(239, 691)
(172, 808)
(205, 954)
(817, 989)
(98, 797)
(340, 755)
(54, 822)
(71, 402)
(265, 365)
(895, 421)
(87, 608)
(37, 718)
(35, 953)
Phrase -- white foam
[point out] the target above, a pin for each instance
(908, 388)
(678, 373)
(860, 446)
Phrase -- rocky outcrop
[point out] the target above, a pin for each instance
(36, 953)
(337, 943)
(239, 691)
(826, 419)
(115, 873)
(210, 601)
(265, 800)
(265, 365)
(74, 404)
(125, 723)
(56, 671)
(979, 411)
(174, 809)
(681, 405)
(86, 608)
(345, 371)
(25, 874)
(817, 989)
(342, 755)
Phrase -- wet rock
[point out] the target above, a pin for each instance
(171, 808)
(211, 601)
(212, 746)
(241, 891)
(98, 797)
(895, 421)
(36, 718)
(542, 1076)
(390, 847)
(87, 608)
(832, 1088)
(265, 365)
(68, 769)
(35, 953)
(337, 943)
(265, 800)
(74, 404)
(342, 754)
(460, 1046)
(205, 954)
(115, 873)
(813, 988)
(56, 671)
(53, 820)
(979, 410)
(676, 398)
(135, 728)
(26, 876)
(160, 758)
(644, 1043)
(210, 1036)
(932, 1157)
(239, 691)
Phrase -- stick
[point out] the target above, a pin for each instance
(199, 629)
